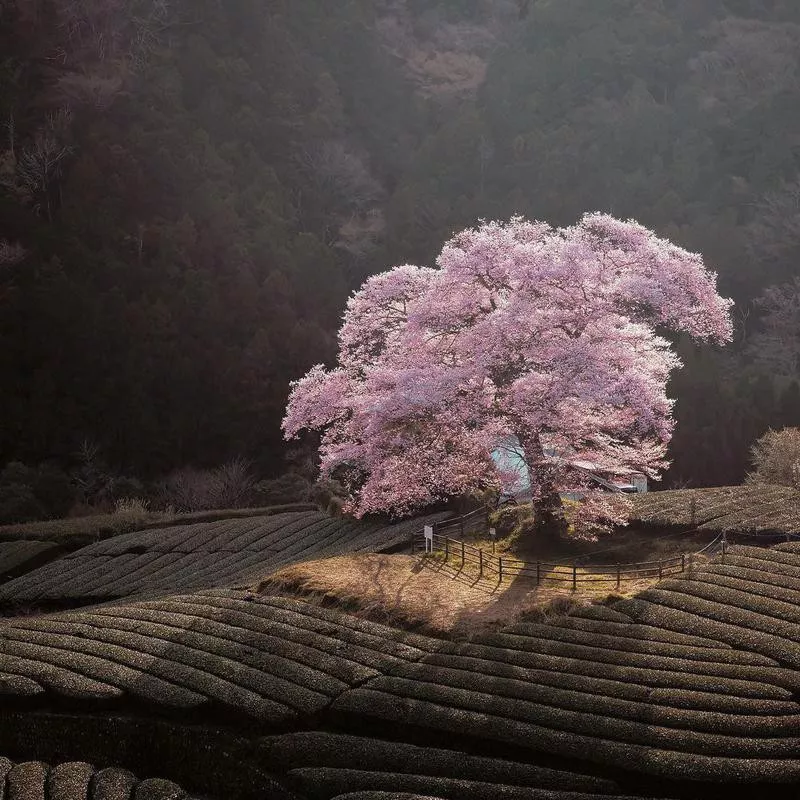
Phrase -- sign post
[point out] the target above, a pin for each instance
(429, 538)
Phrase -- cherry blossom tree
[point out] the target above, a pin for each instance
(549, 335)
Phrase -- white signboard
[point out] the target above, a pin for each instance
(429, 538)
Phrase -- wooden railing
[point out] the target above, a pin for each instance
(457, 550)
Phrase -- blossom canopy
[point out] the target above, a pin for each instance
(521, 330)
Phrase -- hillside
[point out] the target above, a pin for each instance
(687, 687)
(189, 191)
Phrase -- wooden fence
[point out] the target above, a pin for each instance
(462, 553)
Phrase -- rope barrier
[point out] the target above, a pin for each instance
(710, 544)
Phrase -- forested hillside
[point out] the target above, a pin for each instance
(190, 190)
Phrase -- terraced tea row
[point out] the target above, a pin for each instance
(321, 765)
(694, 679)
(77, 780)
(18, 557)
(267, 659)
(749, 508)
(230, 552)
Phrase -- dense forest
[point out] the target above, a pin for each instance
(189, 191)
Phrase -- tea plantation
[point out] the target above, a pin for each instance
(161, 675)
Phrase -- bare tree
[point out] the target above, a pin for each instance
(39, 166)
(776, 458)
(340, 172)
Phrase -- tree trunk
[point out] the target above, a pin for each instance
(548, 510)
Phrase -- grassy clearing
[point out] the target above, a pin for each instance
(426, 593)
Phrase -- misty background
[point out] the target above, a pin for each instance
(189, 191)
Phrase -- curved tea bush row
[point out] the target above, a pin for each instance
(693, 662)
(757, 629)
(576, 736)
(228, 552)
(694, 679)
(652, 676)
(16, 557)
(494, 791)
(466, 792)
(607, 637)
(675, 506)
(309, 752)
(728, 508)
(675, 689)
(77, 780)
(322, 783)
(783, 556)
(626, 629)
(269, 659)
(749, 572)
(646, 709)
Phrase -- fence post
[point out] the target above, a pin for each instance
(412, 543)
(619, 575)
(574, 577)
(538, 565)
(683, 562)
(480, 563)
(500, 568)
(462, 554)
(446, 547)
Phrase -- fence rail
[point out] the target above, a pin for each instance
(542, 571)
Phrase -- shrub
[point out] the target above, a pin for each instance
(510, 520)
(292, 487)
(776, 458)
(235, 482)
(229, 486)
(327, 490)
(132, 506)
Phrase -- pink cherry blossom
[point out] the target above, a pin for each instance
(521, 330)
